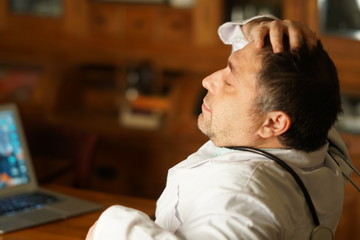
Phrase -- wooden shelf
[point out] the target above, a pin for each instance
(151, 103)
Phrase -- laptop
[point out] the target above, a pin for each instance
(22, 202)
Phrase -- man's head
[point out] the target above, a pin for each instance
(268, 100)
(304, 84)
(228, 116)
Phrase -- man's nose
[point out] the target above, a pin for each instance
(206, 82)
(212, 82)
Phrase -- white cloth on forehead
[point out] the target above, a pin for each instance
(231, 33)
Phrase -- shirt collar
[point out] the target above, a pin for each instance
(209, 152)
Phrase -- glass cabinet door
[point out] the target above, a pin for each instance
(340, 18)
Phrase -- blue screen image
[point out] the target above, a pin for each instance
(13, 170)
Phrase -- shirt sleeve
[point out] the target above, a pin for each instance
(122, 223)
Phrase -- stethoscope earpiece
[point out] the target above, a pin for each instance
(321, 233)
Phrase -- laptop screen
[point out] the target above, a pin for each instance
(13, 170)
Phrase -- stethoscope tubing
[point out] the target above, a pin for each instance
(296, 177)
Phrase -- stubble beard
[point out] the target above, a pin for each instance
(204, 126)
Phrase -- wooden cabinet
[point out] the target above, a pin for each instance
(176, 26)
(141, 24)
(110, 33)
(106, 21)
(177, 38)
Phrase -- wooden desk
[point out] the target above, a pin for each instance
(77, 227)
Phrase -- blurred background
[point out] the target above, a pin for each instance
(110, 90)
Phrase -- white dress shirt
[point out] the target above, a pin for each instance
(217, 193)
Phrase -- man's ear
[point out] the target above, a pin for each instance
(275, 123)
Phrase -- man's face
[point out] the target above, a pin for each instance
(228, 117)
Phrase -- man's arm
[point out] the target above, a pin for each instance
(120, 223)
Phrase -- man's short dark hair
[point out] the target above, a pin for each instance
(304, 84)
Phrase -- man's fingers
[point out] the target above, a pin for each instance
(298, 33)
(295, 38)
(309, 36)
(276, 33)
(276, 29)
(259, 35)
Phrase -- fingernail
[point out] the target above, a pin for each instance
(278, 49)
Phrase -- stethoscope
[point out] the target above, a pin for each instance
(319, 232)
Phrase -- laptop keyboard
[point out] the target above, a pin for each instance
(26, 201)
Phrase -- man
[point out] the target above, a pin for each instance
(221, 192)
